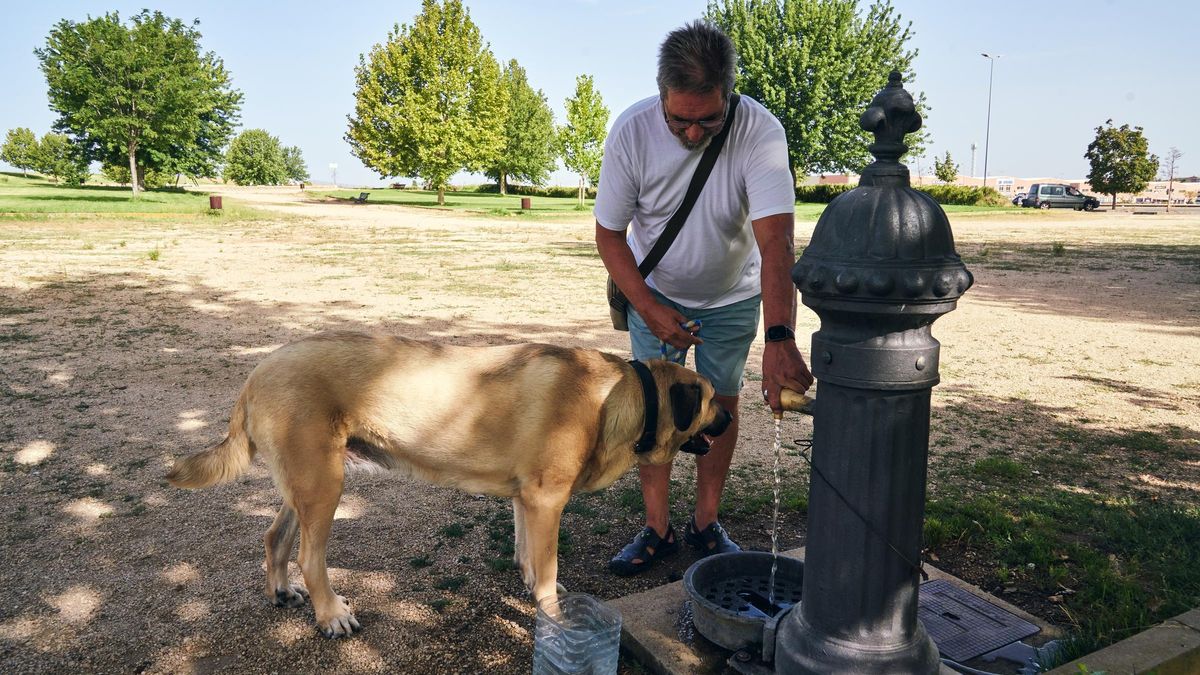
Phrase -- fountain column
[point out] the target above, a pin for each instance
(879, 270)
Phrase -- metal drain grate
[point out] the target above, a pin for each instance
(748, 595)
(964, 625)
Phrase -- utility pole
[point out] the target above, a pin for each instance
(974, 146)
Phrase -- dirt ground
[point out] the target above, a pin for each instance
(123, 344)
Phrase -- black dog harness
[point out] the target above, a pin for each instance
(650, 395)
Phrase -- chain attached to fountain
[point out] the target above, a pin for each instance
(804, 448)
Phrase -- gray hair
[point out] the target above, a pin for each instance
(696, 59)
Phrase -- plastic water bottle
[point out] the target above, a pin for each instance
(576, 633)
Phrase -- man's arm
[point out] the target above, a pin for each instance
(783, 366)
(663, 321)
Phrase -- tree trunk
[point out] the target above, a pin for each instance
(581, 189)
(1114, 202)
(133, 174)
(503, 184)
(441, 195)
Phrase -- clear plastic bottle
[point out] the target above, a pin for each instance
(576, 633)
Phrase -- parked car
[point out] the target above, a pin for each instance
(1058, 196)
(1020, 197)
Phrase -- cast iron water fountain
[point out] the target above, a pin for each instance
(879, 270)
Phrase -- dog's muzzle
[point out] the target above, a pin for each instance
(699, 444)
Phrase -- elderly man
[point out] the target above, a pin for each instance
(732, 256)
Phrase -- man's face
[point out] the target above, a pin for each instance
(694, 118)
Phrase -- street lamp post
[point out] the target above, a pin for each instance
(988, 133)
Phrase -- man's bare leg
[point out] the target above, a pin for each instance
(712, 469)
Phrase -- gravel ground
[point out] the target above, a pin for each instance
(115, 361)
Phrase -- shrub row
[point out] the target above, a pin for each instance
(943, 194)
(535, 191)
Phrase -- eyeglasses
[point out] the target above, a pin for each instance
(709, 124)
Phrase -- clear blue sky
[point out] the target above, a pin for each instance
(1066, 67)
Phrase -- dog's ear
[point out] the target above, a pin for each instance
(685, 404)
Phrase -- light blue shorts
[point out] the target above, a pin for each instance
(727, 332)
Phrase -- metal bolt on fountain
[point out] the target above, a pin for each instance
(879, 270)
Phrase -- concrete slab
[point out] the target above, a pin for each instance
(654, 633)
(1170, 648)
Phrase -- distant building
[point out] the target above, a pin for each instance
(1186, 190)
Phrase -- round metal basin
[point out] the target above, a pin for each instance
(731, 599)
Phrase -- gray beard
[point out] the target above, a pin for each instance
(698, 145)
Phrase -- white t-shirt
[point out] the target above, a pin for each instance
(646, 171)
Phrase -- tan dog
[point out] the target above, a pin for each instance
(531, 422)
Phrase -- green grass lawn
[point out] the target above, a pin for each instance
(25, 196)
(34, 195)
(472, 202)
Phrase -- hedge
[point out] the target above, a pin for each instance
(943, 194)
(535, 191)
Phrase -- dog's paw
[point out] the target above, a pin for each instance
(291, 596)
(342, 624)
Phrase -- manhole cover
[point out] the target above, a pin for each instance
(964, 625)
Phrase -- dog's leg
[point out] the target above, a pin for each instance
(315, 502)
(279, 541)
(521, 543)
(543, 513)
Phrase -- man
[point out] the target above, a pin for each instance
(734, 253)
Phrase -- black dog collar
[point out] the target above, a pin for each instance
(650, 395)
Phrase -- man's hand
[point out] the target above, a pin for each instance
(783, 367)
(667, 325)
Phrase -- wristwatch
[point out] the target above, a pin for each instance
(780, 333)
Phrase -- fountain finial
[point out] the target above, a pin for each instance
(890, 116)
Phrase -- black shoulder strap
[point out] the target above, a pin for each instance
(693, 192)
(650, 395)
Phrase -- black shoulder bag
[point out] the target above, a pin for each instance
(618, 304)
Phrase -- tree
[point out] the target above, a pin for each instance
(529, 152)
(581, 140)
(255, 157)
(57, 156)
(945, 169)
(816, 65)
(1170, 164)
(1121, 160)
(20, 148)
(143, 93)
(293, 164)
(428, 101)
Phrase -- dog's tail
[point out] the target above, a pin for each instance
(220, 463)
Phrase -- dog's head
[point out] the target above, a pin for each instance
(688, 414)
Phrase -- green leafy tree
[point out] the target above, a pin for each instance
(142, 93)
(945, 169)
(57, 156)
(529, 152)
(148, 178)
(581, 139)
(293, 164)
(1121, 160)
(20, 148)
(255, 157)
(428, 101)
(816, 65)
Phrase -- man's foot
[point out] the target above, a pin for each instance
(645, 549)
(710, 540)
